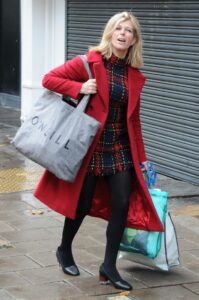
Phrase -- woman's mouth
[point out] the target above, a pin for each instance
(121, 40)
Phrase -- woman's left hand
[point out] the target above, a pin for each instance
(144, 166)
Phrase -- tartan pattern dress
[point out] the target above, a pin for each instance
(112, 153)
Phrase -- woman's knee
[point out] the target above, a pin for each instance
(120, 203)
(85, 204)
(86, 196)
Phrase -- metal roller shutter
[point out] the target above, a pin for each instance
(170, 99)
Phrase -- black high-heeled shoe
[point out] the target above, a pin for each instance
(120, 284)
(70, 270)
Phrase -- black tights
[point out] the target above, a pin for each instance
(120, 186)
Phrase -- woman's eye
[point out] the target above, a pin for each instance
(125, 29)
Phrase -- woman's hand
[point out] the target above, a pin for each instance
(89, 87)
(144, 166)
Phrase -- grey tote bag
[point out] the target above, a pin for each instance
(56, 135)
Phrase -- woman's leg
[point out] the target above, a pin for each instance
(121, 187)
(71, 226)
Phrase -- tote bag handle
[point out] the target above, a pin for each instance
(84, 102)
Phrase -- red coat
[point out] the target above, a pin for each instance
(63, 196)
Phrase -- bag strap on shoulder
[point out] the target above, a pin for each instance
(86, 65)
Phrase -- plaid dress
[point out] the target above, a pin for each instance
(112, 153)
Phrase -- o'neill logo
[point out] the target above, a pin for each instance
(49, 133)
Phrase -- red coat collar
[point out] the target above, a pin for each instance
(135, 81)
(94, 57)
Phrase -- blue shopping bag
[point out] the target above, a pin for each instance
(147, 242)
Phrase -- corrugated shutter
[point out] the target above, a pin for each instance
(170, 99)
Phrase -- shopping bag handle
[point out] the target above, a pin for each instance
(84, 101)
(86, 65)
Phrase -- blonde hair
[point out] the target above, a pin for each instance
(134, 55)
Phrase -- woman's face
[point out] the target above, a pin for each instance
(122, 38)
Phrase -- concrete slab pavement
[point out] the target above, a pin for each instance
(30, 233)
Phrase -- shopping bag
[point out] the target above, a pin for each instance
(57, 135)
(167, 257)
(145, 242)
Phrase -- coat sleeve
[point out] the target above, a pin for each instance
(66, 79)
(138, 134)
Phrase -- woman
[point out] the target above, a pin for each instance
(109, 184)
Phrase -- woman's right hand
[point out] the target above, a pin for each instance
(89, 87)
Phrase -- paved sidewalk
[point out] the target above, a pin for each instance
(30, 233)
